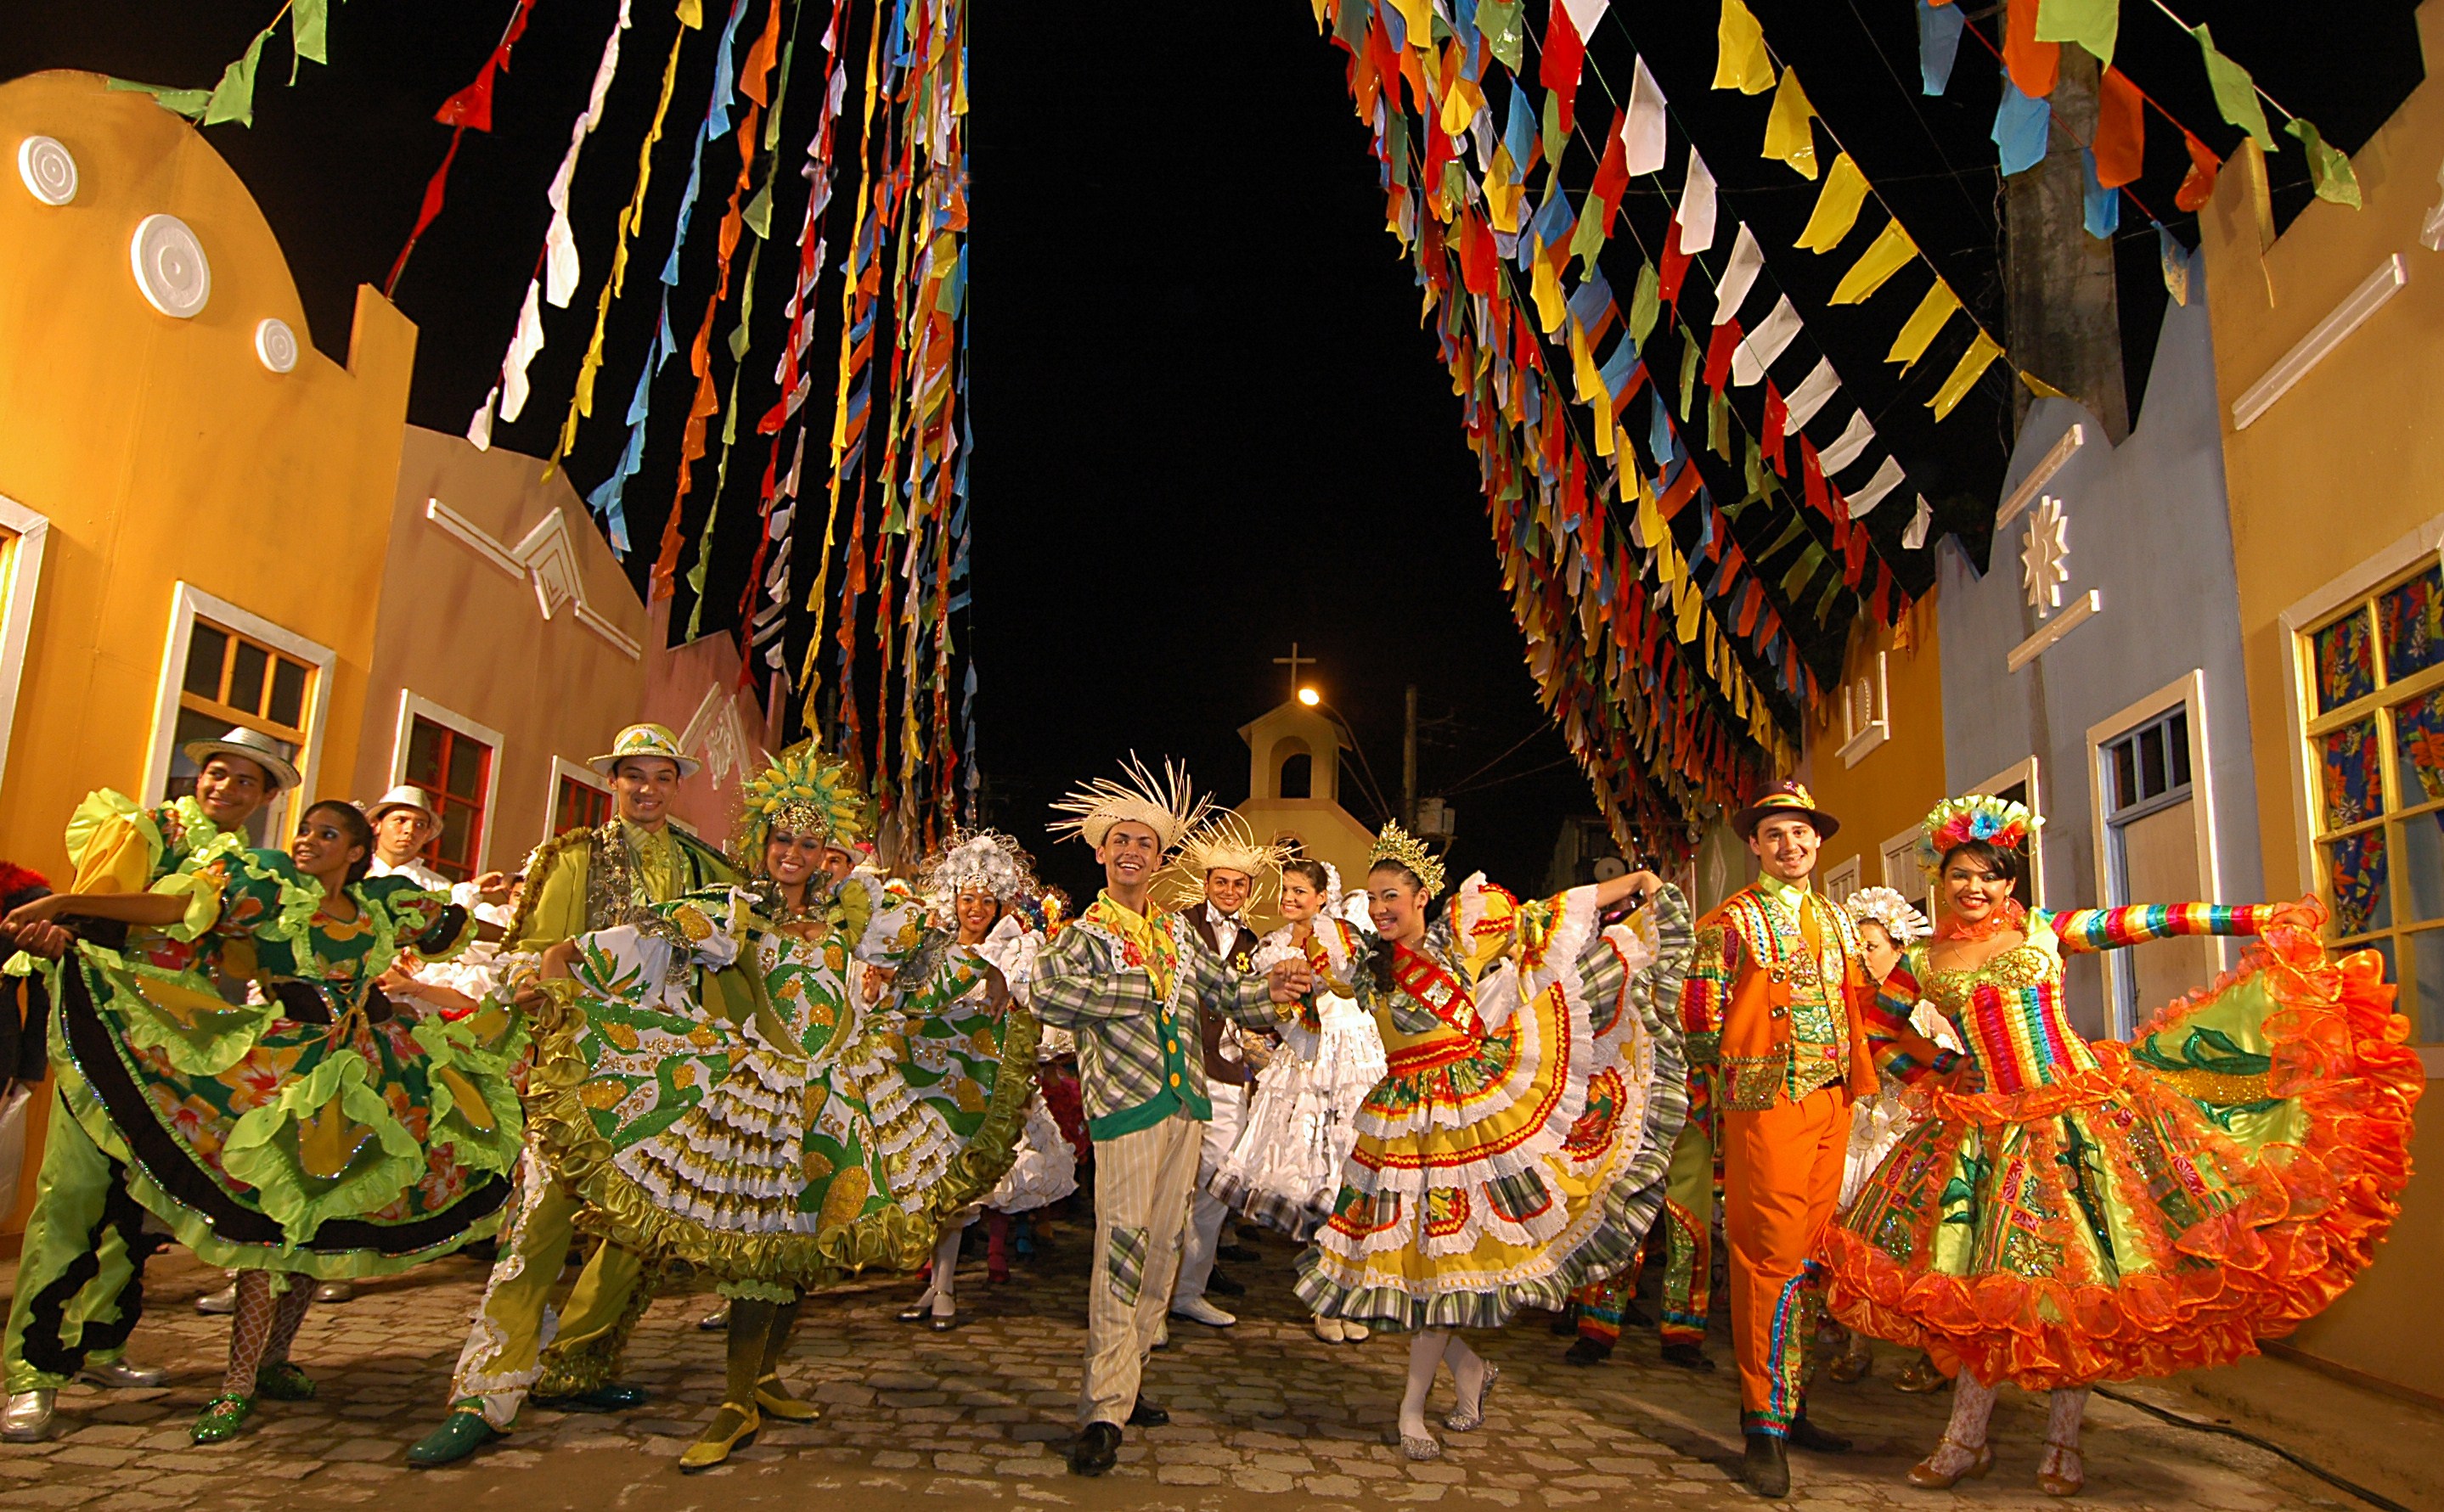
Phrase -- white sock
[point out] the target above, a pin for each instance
(1467, 1368)
(1425, 1355)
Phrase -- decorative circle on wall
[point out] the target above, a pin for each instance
(49, 172)
(170, 265)
(275, 344)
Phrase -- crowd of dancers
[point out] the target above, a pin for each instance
(771, 1069)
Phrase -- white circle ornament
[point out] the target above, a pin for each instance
(275, 344)
(170, 267)
(49, 172)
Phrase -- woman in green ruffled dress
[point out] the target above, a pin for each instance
(314, 1133)
(711, 1084)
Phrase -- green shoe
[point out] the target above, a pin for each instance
(221, 1418)
(283, 1381)
(460, 1434)
(608, 1398)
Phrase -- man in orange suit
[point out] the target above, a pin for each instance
(1775, 1001)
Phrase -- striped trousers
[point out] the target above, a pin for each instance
(1141, 1185)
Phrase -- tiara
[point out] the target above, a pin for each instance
(1402, 849)
(1955, 821)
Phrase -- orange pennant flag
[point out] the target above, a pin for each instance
(2200, 185)
(2120, 130)
(2033, 64)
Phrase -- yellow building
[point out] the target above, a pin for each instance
(1874, 755)
(2329, 365)
(1294, 790)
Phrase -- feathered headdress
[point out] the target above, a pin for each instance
(982, 861)
(802, 793)
(1167, 804)
(1885, 907)
(1399, 847)
(1955, 821)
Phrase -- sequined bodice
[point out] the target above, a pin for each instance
(2010, 1015)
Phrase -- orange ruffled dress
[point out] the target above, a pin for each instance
(2073, 1211)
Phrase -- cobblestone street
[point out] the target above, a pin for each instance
(1263, 1415)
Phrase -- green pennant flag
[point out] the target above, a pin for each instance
(1498, 21)
(1587, 238)
(2092, 24)
(310, 26)
(1645, 304)
(1718, 426)
(2235, 92)
(234, 97)
(1795, 582)
(187, 103)
(1792, 530)
(1691, 359)
(1554, 137)
(2329, 170)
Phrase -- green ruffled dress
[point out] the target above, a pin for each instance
(319, 1130)
(727, 1093)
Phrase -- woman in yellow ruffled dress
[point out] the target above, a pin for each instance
(316, 1134)
(707, 1082)
(1518, 1142)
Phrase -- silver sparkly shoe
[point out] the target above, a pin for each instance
(1468, 1419)
(28, 1419)
(1428, 1447)
(220, 1304)
(119, 1373)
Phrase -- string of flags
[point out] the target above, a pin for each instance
(232, 97)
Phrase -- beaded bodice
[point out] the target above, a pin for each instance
(2010, 1014)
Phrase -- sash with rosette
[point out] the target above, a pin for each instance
(1446, 996)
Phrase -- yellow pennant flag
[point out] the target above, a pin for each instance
(1742, 63)
(1972, 366)
(1550, 305)
(1419, 15)
(2039, 387)
(1920, 330)
(1837, 206)
(1886, 255)
(1788, 139)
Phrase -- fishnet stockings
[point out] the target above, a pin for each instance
(263, 1326)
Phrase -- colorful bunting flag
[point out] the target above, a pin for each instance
(1740, 60)
(1789, 136)
(1837, 206)
(2235, 92)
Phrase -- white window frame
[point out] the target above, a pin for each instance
(29, 534)
(186, 604)
(2186, 692)
(2024, 771)
(1844, 880)
(576, 772)
(1904, 876)
(1864, 730)
(412, 705)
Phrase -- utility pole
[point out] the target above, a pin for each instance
(2063, 320)
(1409, 763)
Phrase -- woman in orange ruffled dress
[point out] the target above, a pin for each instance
(2074, 1211)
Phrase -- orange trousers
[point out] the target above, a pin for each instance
(1782, 1175)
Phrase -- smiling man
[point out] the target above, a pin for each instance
(80, 1281)
(1774, 1002)
(1137, 989)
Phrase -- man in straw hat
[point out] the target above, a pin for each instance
(1230, 866)
(80, 1276)
(1773, 1005)
(586, 879)
(1136, 989)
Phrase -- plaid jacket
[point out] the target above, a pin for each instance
(1135, 991)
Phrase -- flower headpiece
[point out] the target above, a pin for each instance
(1885, 907)
(982, 861)
(1167, 804)
(1400, 848)
(1955, 821)
(802, 793)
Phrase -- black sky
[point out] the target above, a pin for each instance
(1207, 420)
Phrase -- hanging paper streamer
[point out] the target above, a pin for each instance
(232, 97)
(469, 109)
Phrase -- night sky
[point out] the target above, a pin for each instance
(1207, 420)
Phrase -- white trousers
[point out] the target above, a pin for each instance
(1141, 1182)
(1206, 1212)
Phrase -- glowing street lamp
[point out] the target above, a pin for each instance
(1309, 697)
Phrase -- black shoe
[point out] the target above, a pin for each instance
(600, 1399)
(1806, 1435)
(1222, 1285)
(1096, 1448)
(1145, 1414)
(1688, 1357)
(1766, 1468)
(1237, 1254)
(1588, 1352)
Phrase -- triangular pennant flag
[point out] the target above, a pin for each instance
(2039, 386)
(1642, 130)
(1846, 446)
(2092, 24)
(1965, 374)
(1739, 274)
(2032, 64)
(2198, 186)
(1774, 333)
(1920, 521)
(1837, 206)
(1558, 66)
(1644, 306)
(2099, 207)
(1920, 330)
(1939, 43)
(2328, 169)
(1696, 214)
(2120, 130)
(1886, 255)
(2020, 126)
(1789, 136)
(1810, 395)
(1740, 61)
(1887, 478)
(2176, 260)
(2235, 92)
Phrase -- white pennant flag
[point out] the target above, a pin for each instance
(1887, 478)
(1696, 214)
(479, 430)
(1810, 395)
(1845, 448)
(1739, 274)
(522, 347)
(1758, 349)
(1914, 536)
(1583, 15)
(1642, 130)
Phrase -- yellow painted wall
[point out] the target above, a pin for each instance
(2346, 463)
(1893, 786)
(163, 448)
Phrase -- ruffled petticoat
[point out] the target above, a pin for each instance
(1285, 1169)
(1045, 1169)
(2217, 1180)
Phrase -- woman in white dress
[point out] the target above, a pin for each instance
(1284, 1172)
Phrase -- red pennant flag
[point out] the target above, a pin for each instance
(1476, 259)
(2200, 185)
(1718, 354)
(1777, 414)
(1684, 488)
(1811, 474)
(2120, 130)
(1565, 55)
(1612, 173)
(1676, 267)
(1854, 557)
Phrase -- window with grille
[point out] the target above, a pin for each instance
(455, 770)
(234, 681)
(2148, 768)
(578, 805)
(2375, 722)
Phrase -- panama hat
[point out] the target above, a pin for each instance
(1784, 797)
(406, 795)
(645, 740)
(253, 745)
